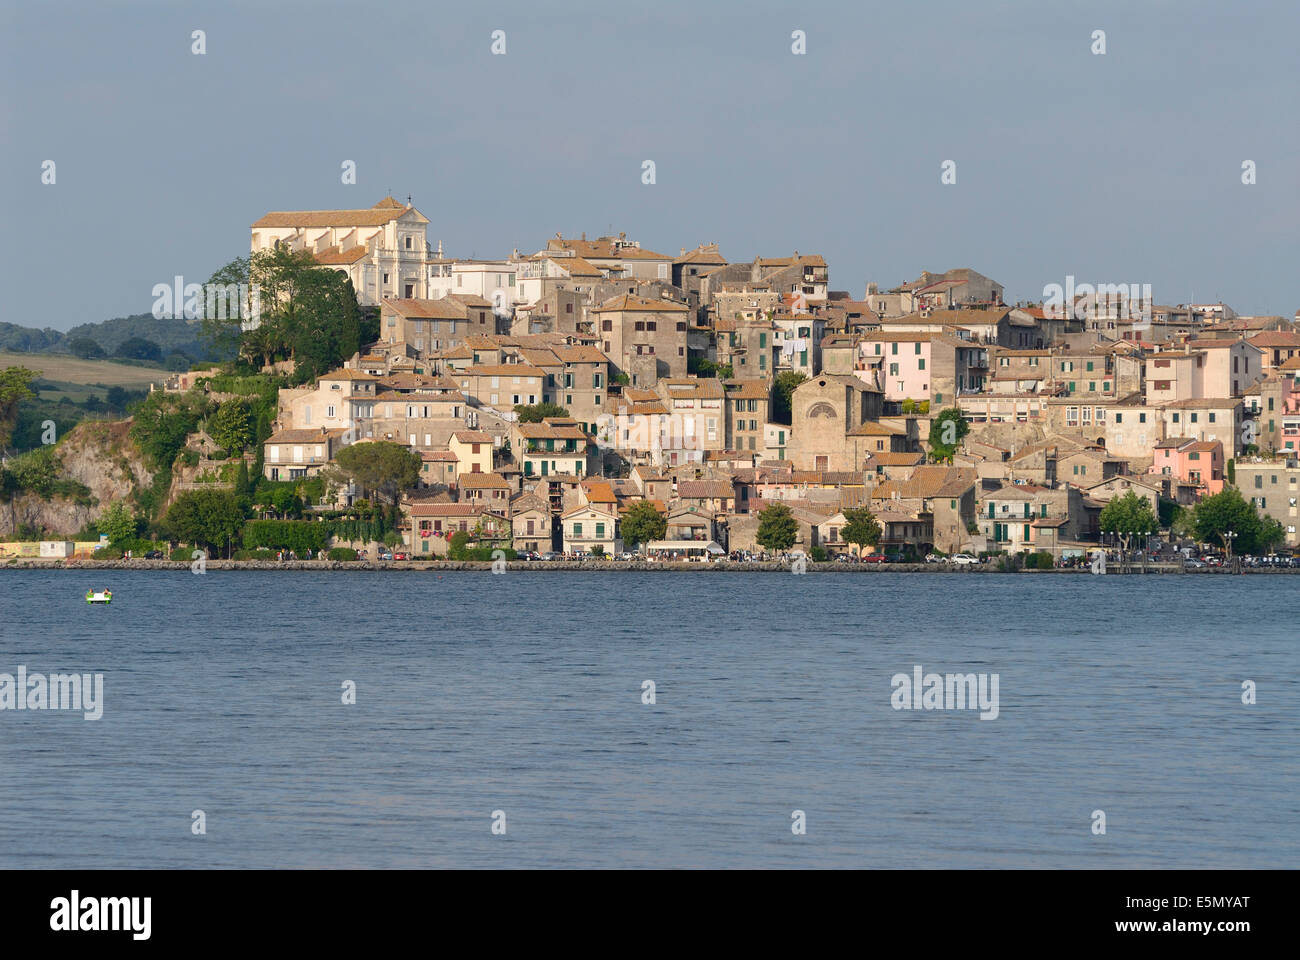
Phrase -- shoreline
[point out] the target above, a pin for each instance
(595, 566)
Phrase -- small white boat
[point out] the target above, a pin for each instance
(99, 596)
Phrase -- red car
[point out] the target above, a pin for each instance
(399, 556)
(874, 558)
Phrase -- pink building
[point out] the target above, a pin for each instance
(1197, 462)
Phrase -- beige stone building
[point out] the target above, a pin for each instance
(644, 339)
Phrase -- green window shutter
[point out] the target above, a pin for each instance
(600, 529)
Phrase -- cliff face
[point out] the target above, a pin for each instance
(97, 453)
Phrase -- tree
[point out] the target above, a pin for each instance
(138, 348)
(205, 518)
(1213, 518)
(783, 400)
(537, 412)
(861, 528)
(1127, 517)
(220, 334)
(643, 523)
(777, 528)
(232, 426)
(387, 468)
(14, 387)
(85, 348)
(946, 433)
(243, 484)
(117, 398)
(117, 522)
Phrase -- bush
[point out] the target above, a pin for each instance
(342, 553)
(183, 553)
(818, 554)
(296, 535)
(1041, 560)
(260, 554)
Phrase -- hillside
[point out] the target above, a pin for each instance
(171, 336)
(62, 369)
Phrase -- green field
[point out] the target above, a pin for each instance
(76, 379)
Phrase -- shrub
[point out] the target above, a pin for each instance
(818, 554)
(296, 535)
(342, 553)
(260, 554)
(183, 553)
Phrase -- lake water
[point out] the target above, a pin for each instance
(522, 693)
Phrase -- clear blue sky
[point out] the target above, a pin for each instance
(1122, 168)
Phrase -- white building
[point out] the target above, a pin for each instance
(382, 250)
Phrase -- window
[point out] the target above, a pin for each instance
(893, 349)
(920, 364)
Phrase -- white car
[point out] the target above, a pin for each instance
(962, 558)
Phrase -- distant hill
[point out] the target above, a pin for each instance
(171, 336)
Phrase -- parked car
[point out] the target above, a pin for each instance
(385, 556)
(1193, 564)
(154, 555)
(874, 558)
(962, 559)
(399, 556)
(551, 555)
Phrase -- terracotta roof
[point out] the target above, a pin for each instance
(449, 510)
(631, 303)
(705, 490)
(472, 436)
(333, 256)
(381, 213)
(444, 309)
(305, 435)
(482, 481)
(754, 389)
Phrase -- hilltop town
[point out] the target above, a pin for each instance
(593, 397)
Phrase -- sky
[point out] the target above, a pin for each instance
(1120, 167)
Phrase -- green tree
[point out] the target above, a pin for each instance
(861, 528)
(536, 412)
(85, 348)
(777, 528)
(222, 334)
(1213, 518)
(117, 522)
(14, 387)
(1127, 517)
(232, 426)
(243, 484)
(205, 518)
(946, 433)
(387, 468)
(783, 399)
(643, 523)
(138, 348)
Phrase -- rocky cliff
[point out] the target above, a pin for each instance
(97, 453)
